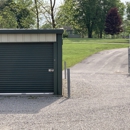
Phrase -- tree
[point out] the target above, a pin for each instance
(73, 13)
(52, 6)
(128, 16)
(126, 27)
(16, 14)
(4, 3)
(103, 8)
(128, 10)
(65, 17)
(65, 14)
(47, 26)
(7, 19)
(87, 15)
(37, 13)
(113, 22)
(48, 9)
(23, 13)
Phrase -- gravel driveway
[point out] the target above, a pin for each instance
(100, 89)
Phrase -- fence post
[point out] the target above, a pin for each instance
(129, 40)
(129, 56)
(65, 68)
(128, 60)
(68, 82)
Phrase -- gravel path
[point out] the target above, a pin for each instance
(100, 99)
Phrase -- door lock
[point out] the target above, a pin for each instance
(50, 70)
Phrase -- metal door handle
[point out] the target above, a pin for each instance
(50, 70)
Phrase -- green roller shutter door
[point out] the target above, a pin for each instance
(24, 67)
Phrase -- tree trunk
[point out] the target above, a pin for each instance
(100, 34)
(113, 36)
(37, 14)
(90, 28)
(53, 20)
(90, 34)
(52, 13)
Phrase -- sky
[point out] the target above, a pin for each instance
(125, 1)
(58, 2)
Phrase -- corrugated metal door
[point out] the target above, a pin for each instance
(24, 67)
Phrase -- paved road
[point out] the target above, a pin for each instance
(107, 62)
(101, 69)
(100, 99)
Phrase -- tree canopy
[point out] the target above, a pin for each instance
(128, 10)
(16, 14)
(88, 16)
(113, 22)
(85, 17)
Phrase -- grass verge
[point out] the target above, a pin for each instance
(75, 50)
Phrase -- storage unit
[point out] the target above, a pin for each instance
(31, 61)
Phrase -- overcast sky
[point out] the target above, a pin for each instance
(59, 2)
(125, 1)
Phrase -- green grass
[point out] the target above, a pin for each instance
(75, 50)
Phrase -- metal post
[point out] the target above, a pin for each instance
(128, 62)
(129, 40)
(129, 56)
(65, 68)
(68, 82)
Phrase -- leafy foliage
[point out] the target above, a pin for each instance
(113, 22)
(7, 18)
(48, 11)
(84, 16)
(126, 28)
(16, 14)
(103, 9)
(128, 10)
(47, 26)
(87, 16)
(23, 14)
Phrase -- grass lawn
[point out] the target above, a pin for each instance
(77, 49)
